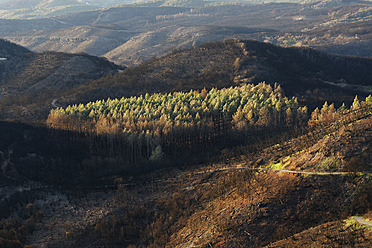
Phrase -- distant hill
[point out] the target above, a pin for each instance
(129, 35)
(335, 3)
(198, 3)
(18, 5)
(28, 77)
(25, 9)
(179, 3)
(25, 4)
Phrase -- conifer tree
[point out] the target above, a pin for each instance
(369, 99)
(356, 104)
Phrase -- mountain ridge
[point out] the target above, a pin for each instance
(224, 64)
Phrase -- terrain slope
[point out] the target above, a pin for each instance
(225, 204)
(28, 77)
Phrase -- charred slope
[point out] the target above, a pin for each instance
(218, 207)
(331, 234)
(9, 50)
(11, 55)
(235, 209)
(30, 80)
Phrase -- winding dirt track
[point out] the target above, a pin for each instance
(289, 171)
(361, 221)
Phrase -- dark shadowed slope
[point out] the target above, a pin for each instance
(29, 80)
(11, 55)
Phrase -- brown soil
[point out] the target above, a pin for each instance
(332, 234)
